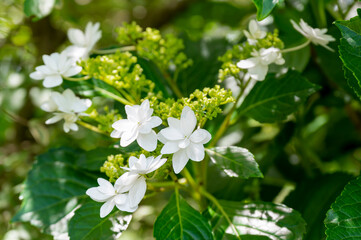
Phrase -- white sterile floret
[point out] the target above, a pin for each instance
(255, 32)
(56, 66)
(138, 126)
(258, 64)
(83, 42)
(118, 195)
(144, 165)
(66, 106)
(315, 35)
(181, 139)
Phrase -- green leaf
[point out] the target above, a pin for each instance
(258, 220)
(86, 223)
(92, 160)
(53, 187)
(274, 98)
(178, 220)
(38, 8)
(343, 220)
(235, 161)
(350, 51)
(264, 7)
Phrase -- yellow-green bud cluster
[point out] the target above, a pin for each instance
(205, 104)
(121, 71)
(111, 167)
(166, 51)
(243, 51)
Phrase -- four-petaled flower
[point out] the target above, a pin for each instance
(258, 64)
(83, 42)
(254, 33)
(138, 126)
(181, 139)
(66, 106)
(315, 35)
(56, 66)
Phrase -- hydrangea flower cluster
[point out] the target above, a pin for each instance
(181, 139)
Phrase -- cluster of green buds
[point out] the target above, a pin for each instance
(205, 104)
(121, 71)
(166, 51)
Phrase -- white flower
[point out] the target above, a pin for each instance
(83, 42)
(144, 165)
(66, 106)
(254, 33)
(138, 126)
(56, 66)
(258, 64)
(118, 195)
(181, 139)
(316, 35)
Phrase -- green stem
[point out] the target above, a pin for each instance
(219, 206)
(77, 79)
(91, 127)
(112, 95)
(172, 85)
(113, 50)
(305, 44)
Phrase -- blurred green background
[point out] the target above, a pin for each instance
(325, 140)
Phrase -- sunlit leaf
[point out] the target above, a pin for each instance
(179, 221)
(235, 161)
(343, 220)
(86, 223)
(258, 220)
(264, 7)
(275, 98)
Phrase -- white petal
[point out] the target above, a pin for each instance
(170, 147)
(132, 160)
(157, 163)
(37, 75)
(137, 192)
(179, 161)
(45, 70)
(188, 121)
(161, 138)
(105, 186)
(72, 71)
(172, 133)
(200, 136)
(184, 143)
(145, 128)
(259, 72)
(96, 195)
(54, 119)
(174, 123)
(122, 125)
(125, 182)
(72, 126)
(50, 62)
(106, 208)
(128, 137)
(121, 199)
(154, 121)
(52, 81)
(132, 113)
(147, 141)
(248, 63)
(76, 37)
(195, 152)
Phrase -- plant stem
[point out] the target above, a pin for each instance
(76, 79)
(219, 206)
(112, 95)
(91, 127)
(173, 85)
(113, 50)
(297, 47)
